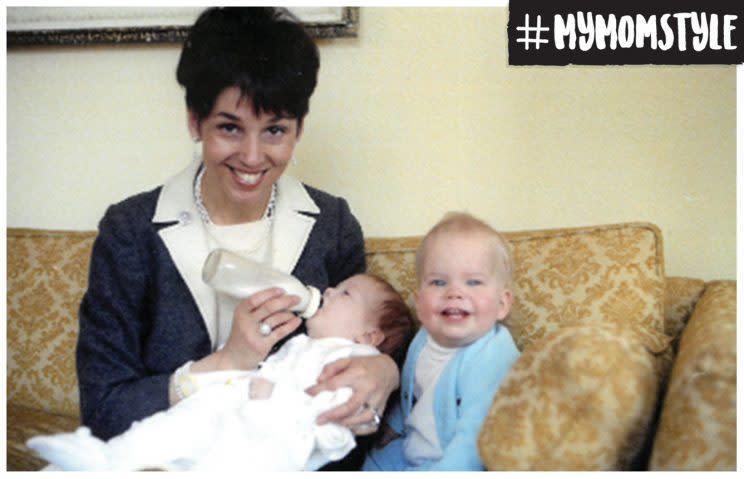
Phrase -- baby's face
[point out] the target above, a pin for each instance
(460, 296)
(349, 309)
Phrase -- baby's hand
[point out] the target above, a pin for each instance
(261, 388)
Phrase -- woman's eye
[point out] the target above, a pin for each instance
(276, 130)
(228, 127)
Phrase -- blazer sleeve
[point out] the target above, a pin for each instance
(115, 386)
(479, 380)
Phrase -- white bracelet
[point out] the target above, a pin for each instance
(183, 383)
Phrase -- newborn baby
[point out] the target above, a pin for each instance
(262, 418)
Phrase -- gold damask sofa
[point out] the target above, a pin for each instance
(622, 367)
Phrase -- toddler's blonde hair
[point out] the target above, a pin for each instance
(463, 223)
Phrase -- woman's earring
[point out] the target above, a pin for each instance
(197, 151)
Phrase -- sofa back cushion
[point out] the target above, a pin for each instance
(46, 278)
(612, 273)
(600, 274)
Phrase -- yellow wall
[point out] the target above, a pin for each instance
(418, 115)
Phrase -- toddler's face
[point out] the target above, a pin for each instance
(348, 309)
(460, 296)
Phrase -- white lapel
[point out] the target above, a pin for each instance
(291, 227)
(187, 244)
(186, 240)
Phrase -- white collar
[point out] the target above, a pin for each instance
(186, 238)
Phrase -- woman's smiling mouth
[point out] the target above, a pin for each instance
(247, 179)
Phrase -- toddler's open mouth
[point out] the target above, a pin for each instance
(455, 314)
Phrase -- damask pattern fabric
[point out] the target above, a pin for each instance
(605, 274)
(581, 399)
(581, 275)
(697, 430)
(47, 275)
(682, 294)
(394, 259)
(25, 422)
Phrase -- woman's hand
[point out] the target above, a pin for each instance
(246, 346)
(372, 378)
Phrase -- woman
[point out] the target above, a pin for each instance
(147, 317)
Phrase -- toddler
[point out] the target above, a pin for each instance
(260, 419)
(459, 357)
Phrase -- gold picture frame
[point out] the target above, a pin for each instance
(76, 26)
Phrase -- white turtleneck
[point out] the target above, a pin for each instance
(422, 443)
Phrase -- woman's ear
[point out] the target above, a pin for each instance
(373, 337)
(193, 124)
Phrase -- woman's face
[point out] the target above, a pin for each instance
(244, 155)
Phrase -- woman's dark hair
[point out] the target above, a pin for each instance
(263, 51)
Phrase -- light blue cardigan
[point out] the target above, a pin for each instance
(462, 398)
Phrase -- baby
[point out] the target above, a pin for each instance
(260, 419)
(459, 357)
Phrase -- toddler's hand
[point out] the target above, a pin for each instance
(261, 388)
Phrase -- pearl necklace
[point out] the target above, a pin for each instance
(204, 214)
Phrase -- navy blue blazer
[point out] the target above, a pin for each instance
(139, 320)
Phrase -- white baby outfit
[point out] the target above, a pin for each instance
(220, 428)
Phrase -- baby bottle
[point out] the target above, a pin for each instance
(239, 277)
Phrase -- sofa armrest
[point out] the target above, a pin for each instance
(680, 298)
(697, 429)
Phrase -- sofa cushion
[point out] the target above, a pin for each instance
(46, 273)
(680, 297)
(591, 275)
(24, 423)
(600, 274)
(394, 259)
(580, 398)
(697, 429)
